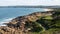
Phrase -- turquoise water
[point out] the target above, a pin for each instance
(6, 14)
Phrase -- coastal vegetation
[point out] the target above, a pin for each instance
(36, 23)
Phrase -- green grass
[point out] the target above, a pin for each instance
(48, 17)
(51, 31)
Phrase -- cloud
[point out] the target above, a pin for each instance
(29, 2)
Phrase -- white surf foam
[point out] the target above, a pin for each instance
(6, 20)
(48, 9)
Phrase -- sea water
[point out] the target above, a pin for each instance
(7, 14)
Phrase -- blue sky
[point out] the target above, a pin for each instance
(29, 2)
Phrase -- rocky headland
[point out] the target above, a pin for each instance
(24, 24)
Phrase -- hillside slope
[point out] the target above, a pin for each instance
(35, 23)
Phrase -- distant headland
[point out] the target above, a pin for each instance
(29, 6)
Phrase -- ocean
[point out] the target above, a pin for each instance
(7, 14)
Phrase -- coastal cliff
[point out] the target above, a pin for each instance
(26, 24)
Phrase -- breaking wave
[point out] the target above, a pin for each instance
(5, 20)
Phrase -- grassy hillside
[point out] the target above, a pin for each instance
(50, 24)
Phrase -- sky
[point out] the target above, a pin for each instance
(29, 2)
